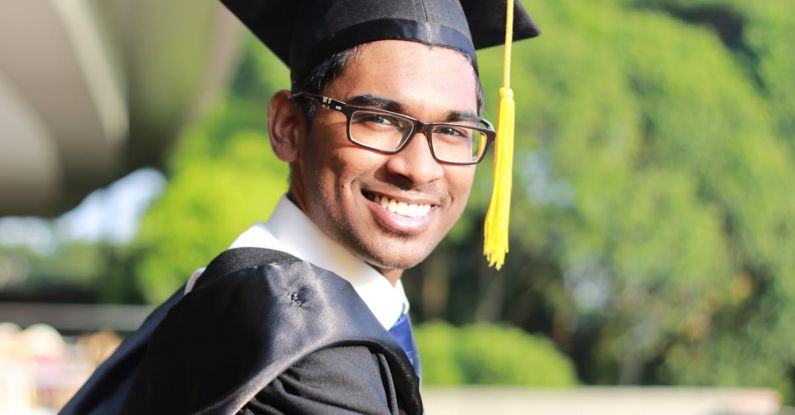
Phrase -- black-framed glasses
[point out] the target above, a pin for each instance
(389, 132)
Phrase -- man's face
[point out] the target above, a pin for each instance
(343, 185)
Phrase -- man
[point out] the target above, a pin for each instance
(306, 313)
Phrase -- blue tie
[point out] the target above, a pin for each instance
(401, 331)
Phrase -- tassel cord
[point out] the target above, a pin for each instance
(497, 218)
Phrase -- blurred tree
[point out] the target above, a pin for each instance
(72, 272)
(222, 178)
(654, 216)
(489, 355)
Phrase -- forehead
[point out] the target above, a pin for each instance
(418, 76)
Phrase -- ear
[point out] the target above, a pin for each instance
(286, 126)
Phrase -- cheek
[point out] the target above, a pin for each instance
(460, 179)
(349, 163)
(341, 170)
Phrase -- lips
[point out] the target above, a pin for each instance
(402, 208)
(400, 215)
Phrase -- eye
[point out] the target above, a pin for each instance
(376, 118)
(452, 131)
(380, 121)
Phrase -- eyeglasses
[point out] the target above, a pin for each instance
(389, 132)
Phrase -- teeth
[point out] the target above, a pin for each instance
(403, 208)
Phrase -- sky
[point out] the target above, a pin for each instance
(111, 214)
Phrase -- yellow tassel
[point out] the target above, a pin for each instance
(495, 245)
(497, 218)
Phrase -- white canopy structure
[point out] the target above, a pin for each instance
(92, 89)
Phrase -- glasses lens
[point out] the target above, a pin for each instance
(379, 130)
(458, 143)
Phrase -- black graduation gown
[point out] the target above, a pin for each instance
(260, 332)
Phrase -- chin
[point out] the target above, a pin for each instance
(386, 264)
(399, 258)
(388, 250)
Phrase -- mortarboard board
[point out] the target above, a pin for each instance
(304, 33)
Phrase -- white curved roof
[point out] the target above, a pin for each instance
(90, 90)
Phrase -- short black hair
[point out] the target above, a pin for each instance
(321, 75)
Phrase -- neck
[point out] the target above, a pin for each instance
(392, 275)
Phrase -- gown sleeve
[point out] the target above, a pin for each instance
(342, 380)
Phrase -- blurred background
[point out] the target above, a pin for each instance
(653, 225)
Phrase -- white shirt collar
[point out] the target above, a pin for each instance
(289, 230)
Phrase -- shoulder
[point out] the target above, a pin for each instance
(251, 316)
(338, 380)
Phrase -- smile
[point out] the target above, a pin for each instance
(402, 208)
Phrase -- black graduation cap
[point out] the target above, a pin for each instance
(303, 33)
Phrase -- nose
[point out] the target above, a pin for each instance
(415, 163)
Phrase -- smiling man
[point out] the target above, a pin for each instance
(387, 207)
(305, 313)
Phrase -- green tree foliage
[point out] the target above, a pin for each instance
(489, 355)
(71, 272)
(654, 214)
(222, 178)
(653, 224)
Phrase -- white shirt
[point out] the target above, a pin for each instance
(288, 230)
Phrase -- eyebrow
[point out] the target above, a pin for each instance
(463, 116)
(370, 100)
